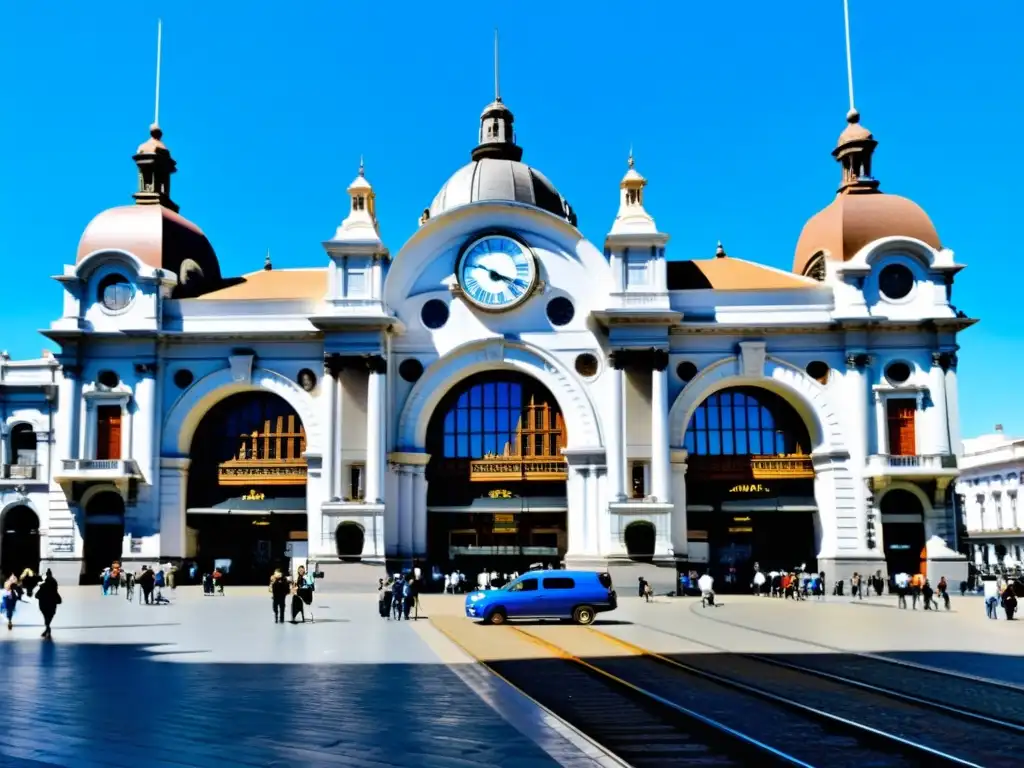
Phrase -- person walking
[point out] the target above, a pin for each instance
(990, 587)
(1009, 601)
(943, 589)
(147, 579)
(48, 598)
(397, 590)
(902, 582)
(916, 584)
(926, 593)
(10, 598)
(279, 590)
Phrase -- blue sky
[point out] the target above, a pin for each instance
(732, 109)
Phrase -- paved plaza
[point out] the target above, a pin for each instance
(212, 681)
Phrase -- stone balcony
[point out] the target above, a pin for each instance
(20, 472)
(914, 467)
(95, 470)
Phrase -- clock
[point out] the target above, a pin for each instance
(496, 273)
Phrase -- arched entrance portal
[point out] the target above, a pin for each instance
(103, 536)
(19, 541)
(750, 486)
(640, 537)
(903, 532)
(247, 488)
(349, 539)
(496, 478)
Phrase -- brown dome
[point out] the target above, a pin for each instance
(159, 238)
(851, 221)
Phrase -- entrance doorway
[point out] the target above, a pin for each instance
(349, 539)
(750, 473)
(103, 535)
(246, 500)
(496, 494)
(903, 532)
(19, 541)
(640, 537)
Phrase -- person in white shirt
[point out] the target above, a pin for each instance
(902, 581)
(759, 583)
(991, 591)
(706, 584)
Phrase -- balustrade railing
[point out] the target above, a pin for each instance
(19, 472)
(125, 466)
(922, 462)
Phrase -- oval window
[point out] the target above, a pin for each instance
(410, 369)
(818, 371)
(115, 292)
(686, 370)
(434, 314)
(896, 281)
(586, 364)
(897, 373)
(183, 378)
(560, 311)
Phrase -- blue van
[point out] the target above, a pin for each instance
(575, 595)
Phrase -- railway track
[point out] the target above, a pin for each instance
(650, 711)
(959, 734)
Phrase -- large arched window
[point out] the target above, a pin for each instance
(503, 417)
(746, 421)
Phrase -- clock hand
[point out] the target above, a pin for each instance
(498, 276)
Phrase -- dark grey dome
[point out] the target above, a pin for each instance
(497, 179)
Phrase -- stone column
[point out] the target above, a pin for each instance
(69, 398)
(42, 456)
(952, 401)
(857, 390)
(660, 481)
(376, 397)
(419, 512)
(88, 450)
(940, 420)
(144, 431)
(405, 491)
(679, 528)
(329, 407)
(616, 434)
(173, 490)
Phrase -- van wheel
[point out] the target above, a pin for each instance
(496, 617)
(583, 614)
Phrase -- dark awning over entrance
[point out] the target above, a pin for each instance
(284, 505)
(525, 504)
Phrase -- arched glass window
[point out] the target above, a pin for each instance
(502, 417)
(746, 421)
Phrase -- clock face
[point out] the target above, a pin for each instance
(496, 273)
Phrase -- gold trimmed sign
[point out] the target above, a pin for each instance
(254, 495)
(505, 523)
(499, 493)
(750, 488)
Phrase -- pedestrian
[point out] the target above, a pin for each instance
(304, 586)
(9, 599)
(926, 593)
(279, 590)
(1009, 601)
(115, 577)
(855, 585)
(916, 584)
(48, 599)
(991, 592)
(759, 582)
(29, 579)
(397, 589)
(943, 589)
(902, 581)
(105, 580)
(408, 596)
(821, 585)
(147, 579)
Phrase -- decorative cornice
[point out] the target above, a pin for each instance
(650, 359)
(335, 363)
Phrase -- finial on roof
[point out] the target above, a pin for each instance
(630, 156)
(849, 58)
(152, 157)
(159, 47)
(856, 145)
(720, 251)
(362, 168)
(497, 85)
(266, 262)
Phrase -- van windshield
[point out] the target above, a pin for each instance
(526, 584)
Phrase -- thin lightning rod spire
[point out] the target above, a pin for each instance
(159, 44)
(497, 89)
(849, 55)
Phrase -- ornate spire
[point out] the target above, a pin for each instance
(720, 251)
(856, 145)
(267, 265)
(361, 223)
(497, 137)
(153, 158)
(632, 217)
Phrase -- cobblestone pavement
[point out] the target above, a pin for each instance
(212, 681)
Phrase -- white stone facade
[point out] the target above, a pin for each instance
(989, 487)
(663, 342)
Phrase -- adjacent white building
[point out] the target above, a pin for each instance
(497, 390)
(988, 487)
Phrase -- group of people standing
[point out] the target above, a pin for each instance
(150, 582)
(301, 592)
(999, 591)
(920, 588)
(398, 596)
(19, 589)
(792, 585)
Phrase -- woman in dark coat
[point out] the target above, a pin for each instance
(48, 598)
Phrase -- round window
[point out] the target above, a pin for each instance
(897, 373)
(183, 378)
(108, 379)
(560, 311)
(434, 314)
(686, 370)
(818, 371)
(896, 281)
(410, 369)
(586, 364)
(115, 292)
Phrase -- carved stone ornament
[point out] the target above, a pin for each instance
(334, 364)
(307, 379)
(858, 360)
(241, 368)
(752, 356)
